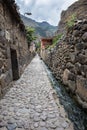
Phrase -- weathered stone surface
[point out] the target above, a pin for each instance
(72, 77)
(2, 81)
(73, 57)
(82, 59)
(76, 33)
(80, 46)
(64, 125)
(44, 117)
(81, 87)
(11, 41)
(72, 86)
(84, 37)
(11, 126)
(84, 27)
(36, 125)
(42, 123)
(1, 62)
(66, 76)
(0, 89)
(69, 65)
(4, 128)
(36, 118)
(44, 128)
(20, 129)
(59, 129)
(78, 68)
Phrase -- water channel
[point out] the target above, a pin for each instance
(75, 113)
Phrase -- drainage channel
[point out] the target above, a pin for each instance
(76, 114)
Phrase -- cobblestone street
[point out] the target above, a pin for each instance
(30, 103)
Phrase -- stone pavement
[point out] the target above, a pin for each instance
(30, 103)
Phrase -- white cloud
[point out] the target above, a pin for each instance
(48, 10)
(26, 1)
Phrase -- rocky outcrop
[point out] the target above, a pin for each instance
(79, 9)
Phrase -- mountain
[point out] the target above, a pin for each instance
(42, 29)
(77, 9)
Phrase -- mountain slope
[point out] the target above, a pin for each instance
(77, 9)
(42, 29)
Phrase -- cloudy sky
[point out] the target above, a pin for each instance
(44, 10)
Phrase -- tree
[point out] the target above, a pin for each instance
(30, 35)
(38, 46)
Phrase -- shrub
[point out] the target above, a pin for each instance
(70, 22)
(57, 38)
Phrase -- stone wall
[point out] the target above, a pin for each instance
(13, 45)
(68, 61)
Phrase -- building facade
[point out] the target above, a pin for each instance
(45, 42)
(13, 44)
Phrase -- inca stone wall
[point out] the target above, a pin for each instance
(13, 45)
(68, 61)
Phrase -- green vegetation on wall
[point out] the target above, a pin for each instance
(55, 41)
(57, 38)
(71, 21)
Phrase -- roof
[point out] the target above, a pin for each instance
(46, 39)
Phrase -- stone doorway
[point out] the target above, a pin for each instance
(14, 63)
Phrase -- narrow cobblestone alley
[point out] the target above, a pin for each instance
(29, 104)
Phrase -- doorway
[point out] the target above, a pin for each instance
(14, 63)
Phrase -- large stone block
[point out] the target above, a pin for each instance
(0, 89)
(78, 68)
(84, 28)
(2, 81)
(69, 65)
(84, 37)
(76, 33)
(1, 62)
(72, 86)
(5, 79)
(73, 57)
(81, 84)
(82, 59)
(80, 46)
(1, 10)
(66, 76)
